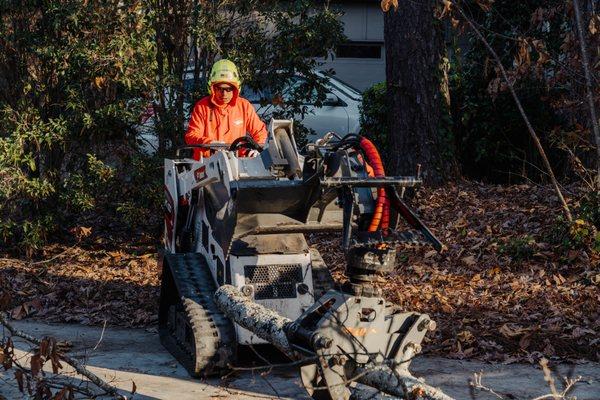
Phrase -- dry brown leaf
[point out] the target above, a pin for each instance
(593, 25)
(512, 330)
(387, 4)
(579, 332)
(99, 81)
(5, 300)
(61, 395)
(540, 47)
(430, 253)
(278, 100)
(446, 9)
(524, 342)
(81, 232)
(558, 279)
(486, 5)
(465, 336)
(523, 56)
(35, 364)
(18, 312)
(469, 261)
(55, 362)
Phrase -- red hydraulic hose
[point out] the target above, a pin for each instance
(385, 218)
(382, 206)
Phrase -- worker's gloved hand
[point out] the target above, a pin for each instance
(252, 153)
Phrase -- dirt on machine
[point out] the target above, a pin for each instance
(236, 225)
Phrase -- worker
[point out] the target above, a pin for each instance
(223, 115)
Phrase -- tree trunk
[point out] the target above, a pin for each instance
(413, 41)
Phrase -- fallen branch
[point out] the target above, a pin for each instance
(62, 253)
(270, 326)
(264, 323)
(399, 384)
(77, 366)
(476, 383)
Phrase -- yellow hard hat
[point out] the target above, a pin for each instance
(224, 71)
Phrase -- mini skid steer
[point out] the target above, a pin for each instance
(237, 269)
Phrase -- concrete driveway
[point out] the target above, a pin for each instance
(123, 356)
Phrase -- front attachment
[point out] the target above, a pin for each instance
(346, 332)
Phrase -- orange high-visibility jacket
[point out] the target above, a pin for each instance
(224, 123)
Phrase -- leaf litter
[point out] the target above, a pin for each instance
(500, 292)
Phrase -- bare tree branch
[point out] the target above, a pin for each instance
(475, 383)
(111, 390)
(588, 87)
(511, 88)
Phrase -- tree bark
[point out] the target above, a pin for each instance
(413, 44)
(403, 385)
(265, 323)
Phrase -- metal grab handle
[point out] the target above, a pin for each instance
(205, 146)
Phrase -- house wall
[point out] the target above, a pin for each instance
(358, 62)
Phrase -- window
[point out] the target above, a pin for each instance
(359, 50)
(298, 89)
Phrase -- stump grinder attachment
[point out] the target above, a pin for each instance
(237, 269)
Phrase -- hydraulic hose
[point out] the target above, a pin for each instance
(381, 216)
(385, 218)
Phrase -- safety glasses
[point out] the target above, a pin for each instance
(224, 89)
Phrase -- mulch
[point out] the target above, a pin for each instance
(503, 290)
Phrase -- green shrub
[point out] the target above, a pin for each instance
(577, 235)
(589, 208)
(83, 190)
(140, 206)
(518, 248)
(74, 77)
(374, 113)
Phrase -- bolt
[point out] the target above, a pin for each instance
(247, 290)
(432, 326)
(321, 342)
(416, 347)
(338, 360)
(427, 324)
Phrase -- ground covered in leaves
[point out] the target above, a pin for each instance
(510, 286)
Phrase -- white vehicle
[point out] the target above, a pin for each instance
(339, 112)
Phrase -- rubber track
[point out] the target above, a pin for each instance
(212, 346)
